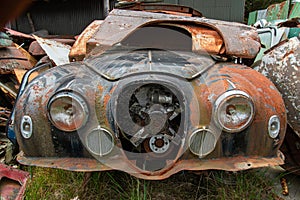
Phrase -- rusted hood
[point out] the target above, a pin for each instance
(117, 63)
(239, 40)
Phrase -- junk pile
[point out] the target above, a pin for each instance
(19, 53)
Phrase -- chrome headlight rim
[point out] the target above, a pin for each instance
(74, 96)
(225, 97)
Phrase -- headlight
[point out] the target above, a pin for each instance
(234, 111)
(67, 111)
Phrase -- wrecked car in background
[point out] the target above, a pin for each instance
(279, 61)
(152, 94)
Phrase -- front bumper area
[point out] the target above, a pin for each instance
(89, 165)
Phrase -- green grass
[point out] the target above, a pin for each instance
(59, 184)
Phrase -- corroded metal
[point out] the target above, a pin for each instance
(278, 11)
(90, 165)
(239, 40)
(57, 52)
(78, 51)
(17, 34)
(12, 183)
(281, 65)
(258, 148)
(162, 8)
(5, 41)
(147, 102)
(295, 11)
(204, 39)
(12, 58)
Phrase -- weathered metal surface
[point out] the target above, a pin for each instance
(144, 105)
(270, 36)
(5, 41)
(275, 12)
(240, 40)
(17, 34)
(295, 11)
(250, 148)
(29, 57)
(12, 58)
(149, 61)
(12, 183)
(90, 165)
(35, 49)
(281, 65)
(252, 17)
(56, 51)
(78, 51)
(163, 8)
(4, 115)
(204, 39)
(278, 11)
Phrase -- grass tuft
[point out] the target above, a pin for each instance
(60, 184)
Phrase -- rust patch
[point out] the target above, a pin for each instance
(162, 8)
(12, 183)
(119, 163)
(12, 58)
(204, 39)
(35, 49)
(282, 66)
(79, 49)
(240, 40)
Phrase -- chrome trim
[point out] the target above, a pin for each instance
(227, 96)
(74, 97)
(26, 126)
(274, 126)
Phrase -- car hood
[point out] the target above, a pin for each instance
(115, 64)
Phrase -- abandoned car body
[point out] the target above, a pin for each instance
(155, 94)
(279, 32)
(281, 66)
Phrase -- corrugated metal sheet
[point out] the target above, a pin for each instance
(229, 10)
(60, 17)
(65, 17)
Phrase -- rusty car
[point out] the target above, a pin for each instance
(151, 91)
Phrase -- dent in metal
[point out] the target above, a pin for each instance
(239, 40)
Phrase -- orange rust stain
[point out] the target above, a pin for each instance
(100, 88)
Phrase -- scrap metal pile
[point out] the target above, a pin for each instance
(19, 53)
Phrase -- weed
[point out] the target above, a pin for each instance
(60, 184)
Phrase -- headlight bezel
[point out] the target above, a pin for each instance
(225, 98)
(73, 97)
